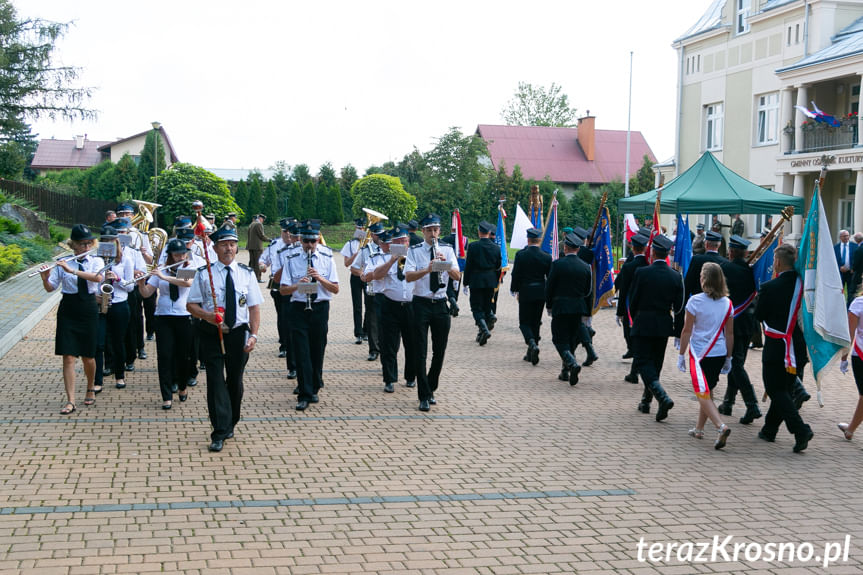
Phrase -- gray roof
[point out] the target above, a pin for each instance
(848, 42)
(239, 174)
(710, 20)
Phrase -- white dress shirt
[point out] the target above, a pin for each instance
(69, 282)
(246, 289)
(418, 259)
(296, 267)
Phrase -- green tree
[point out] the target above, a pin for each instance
(241, 195)
(322, 202)
(152, 160)
(32, 84)
(644, 179)
(538, 106)
(295, 201)
(185, 183)
(309, 201)
(282, 179)
(126, 174)
(327, 175)
(270, 206)
(385, 194)
(301, 174)
(256, 195)
(94, 184)
(347, 177)
(337, 214)
(12, 161)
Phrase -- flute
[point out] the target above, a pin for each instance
(149, 273)
(63, 259)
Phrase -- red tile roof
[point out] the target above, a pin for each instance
(542, 151)
(61, 154)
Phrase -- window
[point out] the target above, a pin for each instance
(713, 127)
(846, 215)
(788, 41)
(797, 34)
(768, 118)
(742, 17)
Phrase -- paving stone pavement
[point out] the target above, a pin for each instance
(512, 472)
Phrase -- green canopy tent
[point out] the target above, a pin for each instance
(708, 187)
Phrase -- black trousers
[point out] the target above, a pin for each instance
(284, 326)
(357, 290)
(626, 329)
(371, 323)
(565, 332)
(224, 376)
(135, 329)
(309, 340)
(397, 323)
(738, 379)
(194, 350)
(281, 323)
(530, 319)
(649, 356)
(480, 303)
(149, 316)
(778, 383)
(430, 315)
(174, 346)
(111, 336)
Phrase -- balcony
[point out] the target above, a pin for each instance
(818, 137)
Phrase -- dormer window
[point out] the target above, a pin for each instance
(741, 18)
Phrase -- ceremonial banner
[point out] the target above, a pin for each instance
(519, 229)
(550, 237)
(630, 226)
(603, 261)
(500, 238)
(683, 245)
(459, 236)
(763, 268)
(825, 318)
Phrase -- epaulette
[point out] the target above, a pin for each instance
(443, 244)
(415, 246)
(283, 249)
(245, 267)
(202, 268)
(293, 255)
(273, 242)
(325, 250)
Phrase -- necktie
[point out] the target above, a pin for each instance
(434, 277)
(83, 292)
(174, 291)
(400, 269)
(230, 299)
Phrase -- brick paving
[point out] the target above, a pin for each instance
(512, 472)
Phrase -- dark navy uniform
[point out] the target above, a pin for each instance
(692, 283)
(569, 282)
(656, 294)
(481, 273)
(529, 273)
(623, 284)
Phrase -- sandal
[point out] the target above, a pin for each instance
(88, 401)
(843, 427)
(67, 408)
(724, 432)
(696, 433)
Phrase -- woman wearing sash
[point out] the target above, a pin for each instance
(708, 332)
(855, 327)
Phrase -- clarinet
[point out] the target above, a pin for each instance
(435, 248)
(308, 267)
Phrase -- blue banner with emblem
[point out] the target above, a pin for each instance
(500, 238)
(683, 244)
(603, 261)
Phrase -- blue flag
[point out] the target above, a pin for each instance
(763, 268)
(825, 319)
(683, 244)
(603, 261)
(500, 238)
(550, 237)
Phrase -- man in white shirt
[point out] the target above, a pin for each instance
(350, 251)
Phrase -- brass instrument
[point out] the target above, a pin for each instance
(373, 218)
(786, 214)
(157, 237)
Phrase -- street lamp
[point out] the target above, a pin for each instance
(156, 126)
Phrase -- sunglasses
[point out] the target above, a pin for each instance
(308, 241)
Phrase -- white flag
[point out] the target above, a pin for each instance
(519, 229)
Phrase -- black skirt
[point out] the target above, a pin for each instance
(77, 324)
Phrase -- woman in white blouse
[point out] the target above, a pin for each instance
(77, 319)
(173, 322)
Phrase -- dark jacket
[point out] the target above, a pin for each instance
(656, 294)
(740, 280)
(692, 283)
(774, 305)
(569, 283)
(623, 281)
(482, 264)
(529, 273)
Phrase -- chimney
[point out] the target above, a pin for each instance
(79, 142)
(587, 136)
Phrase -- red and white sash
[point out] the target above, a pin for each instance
(790, 359)
(857, 349)
(699, 383)
(742, 307)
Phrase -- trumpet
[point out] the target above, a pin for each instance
(63, 259)
(149, 273)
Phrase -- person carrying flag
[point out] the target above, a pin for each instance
(481, 273)
(529, 274)
(623, 283)
(741, 287)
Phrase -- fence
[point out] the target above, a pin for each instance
(64, 209)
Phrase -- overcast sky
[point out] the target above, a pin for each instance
(245, 84)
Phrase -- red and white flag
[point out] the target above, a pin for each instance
(630, 225)
(459, 236)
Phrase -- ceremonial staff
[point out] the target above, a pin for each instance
(598, 217)
(200, 230)
(786, 213)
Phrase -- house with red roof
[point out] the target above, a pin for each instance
(569, 157)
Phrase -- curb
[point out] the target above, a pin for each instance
(21, 330)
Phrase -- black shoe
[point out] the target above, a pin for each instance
(663, 410)
(389, 388)
(121, 384)
(410, 384)
(302, 405)
(292, 374)
(359, 340)
(526, 356)
(753, 346)
(766, 437)
(322, 385)
(142, 354)
(483, 336)
(216, 445)
(297, 390)
(590, 360)
(174, 387)
(627, 355)
(183, 397)
(533, 352)
(202, 367)
(108, 371)
(283, 354)
(130, 367)
(591, 331)
(630, 378)
(372, 356)
(150, 337)
(424, 406)
(752, 413)
(432, 400)
(192, 382)
(644, 407)
(573, 374)
(803, 440)
(230, 435)
(563, 375)
(724, 408)
(315, 398)
(166, 405)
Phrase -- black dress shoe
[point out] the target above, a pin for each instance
(573, 374)
(359, 340)
(644, 407)
(292, 374)
(752, 413)
(663, 410)
(192, 382)
(803, 440)
(230, 435)
(216, 445)
(424, 406)
(108, 371)
(432, 400)
(766, 437)
(630, 378)
(166, 405)
(372, 356)
(296, 390)
(590, 360)
(183, 397)
(142, 354)
(314, 398)
(302, 405)
(174, 387)
(130, 367)
(202, 367)
(389, 388)
(150, 337)
(526, 356)
(725, 408)
(282, 353)
(563, 375)
(627, 355)
(410, 384)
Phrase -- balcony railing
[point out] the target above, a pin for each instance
(821, 137)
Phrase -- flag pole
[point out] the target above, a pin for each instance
(598, 216)
(628, 129)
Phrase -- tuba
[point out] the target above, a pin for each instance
(373, 218)
(142, 220)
